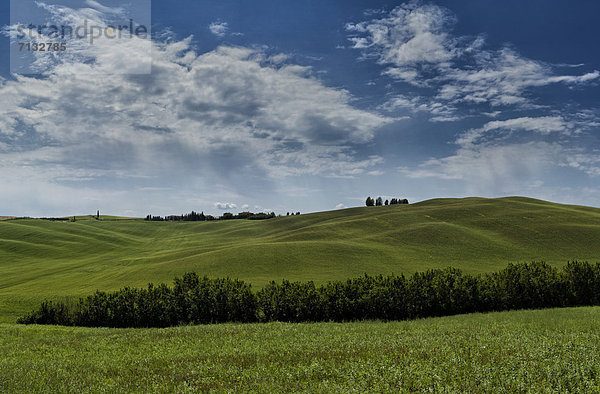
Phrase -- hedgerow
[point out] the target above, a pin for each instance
(440, 292)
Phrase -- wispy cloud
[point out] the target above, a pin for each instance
(104, 9)
(506, 156)
(543, 125)
(587, 162)
(438, 111)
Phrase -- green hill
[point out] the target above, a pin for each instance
(40, 259)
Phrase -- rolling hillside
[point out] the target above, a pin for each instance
(40, 259)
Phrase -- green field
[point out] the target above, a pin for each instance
(542, 351)
(526, 351)
(42, 259)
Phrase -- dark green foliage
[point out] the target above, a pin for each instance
(261, 216)
(432, 293)
(370, 202)
(379, 202)
(291, 302)
(202, 300)
(192, 300)
(583, 281)
(368, 297)
(227, 216)
(442, 293)
(244, 215)
(49, 313)
(523, 286)
(200, 217)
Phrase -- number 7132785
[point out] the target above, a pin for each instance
(43, 46)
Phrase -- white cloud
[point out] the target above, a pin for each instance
(457, 77)
(489, 166)
(512, 156)
(415, 42)
(225, 205)
(440, 112)
(543, 125)
(575, 79)
(586, 162)
(410, 35)
(219, 29)
(505, 169)
(340, 206)
(228, 116)
(500, 78)
(104, 9)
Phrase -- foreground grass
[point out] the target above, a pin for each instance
(42, 259)
(541, 351)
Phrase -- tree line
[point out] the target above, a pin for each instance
(440, 292)
(379, 201)
(201, 217)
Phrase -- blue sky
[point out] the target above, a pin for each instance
(308, 106)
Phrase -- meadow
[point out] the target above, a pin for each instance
(55, 260)
(556, 350)
(552, 350)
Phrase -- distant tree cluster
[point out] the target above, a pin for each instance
(437, 292)
(201, 217)
(292, 214)
(379, 201)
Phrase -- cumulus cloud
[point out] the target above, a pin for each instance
(219, 29)
(409, 36)
(229, 117)
(452, 77)
(416, 45)
(225, 205)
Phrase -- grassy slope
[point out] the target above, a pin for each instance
(525, 351)
(39, 259)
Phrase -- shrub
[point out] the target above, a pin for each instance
(440, 292)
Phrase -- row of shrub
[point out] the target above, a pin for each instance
(195, 300)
